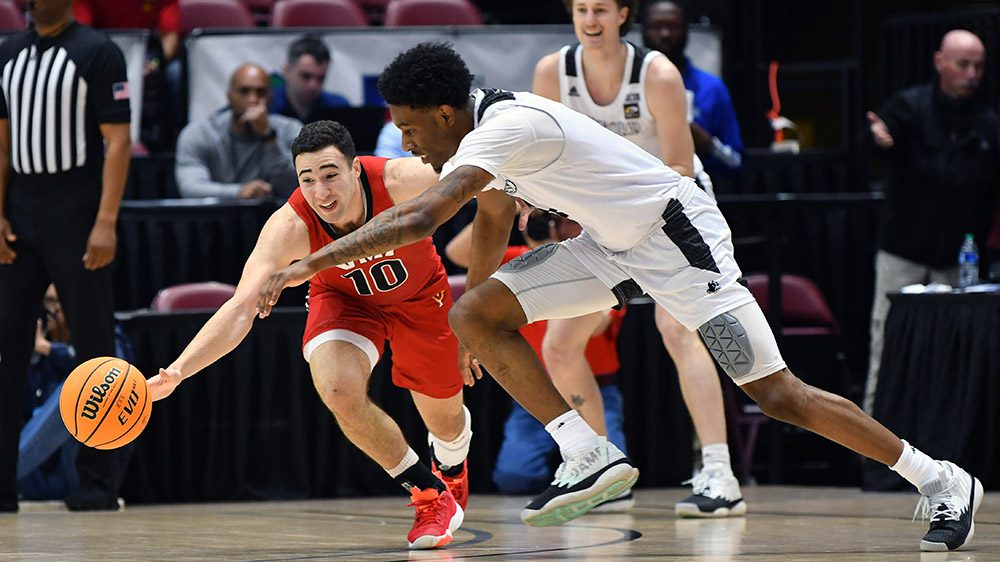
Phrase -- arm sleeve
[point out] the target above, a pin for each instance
(194, 178)
(108, 92)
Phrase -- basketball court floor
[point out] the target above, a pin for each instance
(784, 524)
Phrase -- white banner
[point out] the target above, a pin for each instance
(502, 57)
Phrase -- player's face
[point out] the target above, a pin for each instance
(332, 187)
(597, 21)
(428, 133)
(305, 79)
(665, 29)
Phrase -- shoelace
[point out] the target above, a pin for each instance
(427, 506)
(944, 509)
(704, 485)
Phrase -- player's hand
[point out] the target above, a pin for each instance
(291, 276)
(100, 246)
(7, 254)
(469, 367)
(161, 385)
(880, 132)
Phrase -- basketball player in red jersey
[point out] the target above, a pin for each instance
(401, 295)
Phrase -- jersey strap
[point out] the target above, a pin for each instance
(490, 97)
(571, 60)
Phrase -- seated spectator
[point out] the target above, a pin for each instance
(298, 92)
(46, 466)
(241, 151)
(390, 142)
(162, 73)
(528, 454)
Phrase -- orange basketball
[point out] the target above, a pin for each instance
(105, 403)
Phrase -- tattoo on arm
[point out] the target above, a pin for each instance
(409, 221)
(577, 401)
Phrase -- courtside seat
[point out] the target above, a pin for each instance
(432, 12)
(316, 13)
(204, 295)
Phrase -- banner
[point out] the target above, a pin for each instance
(502, 57)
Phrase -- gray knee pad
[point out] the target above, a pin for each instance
(727, 341)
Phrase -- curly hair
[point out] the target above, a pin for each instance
(428, 75)
(320, 134)
(624, 28)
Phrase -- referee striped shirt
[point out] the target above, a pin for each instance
(57, 91)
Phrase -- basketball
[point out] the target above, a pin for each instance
(105, 403)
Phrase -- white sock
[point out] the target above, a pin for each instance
(716, 456)
(409, 459)
(916, 467)
(571, 433)
(453, 453)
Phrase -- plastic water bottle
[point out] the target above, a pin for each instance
(968, 263)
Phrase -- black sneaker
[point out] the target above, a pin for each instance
(90, 501)
(716, 494)
(584, 480)
(8, 506)
(951, 502)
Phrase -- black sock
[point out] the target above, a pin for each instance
(420, 477)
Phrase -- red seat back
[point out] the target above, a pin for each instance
(314, 13)
(213, 13)
(11, 16)
(432, 12)
(206, 295)
(801, 300)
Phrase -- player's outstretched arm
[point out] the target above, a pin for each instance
(284, 238)
(399, 225)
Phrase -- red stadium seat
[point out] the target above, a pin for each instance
(373, 9)
(804, 310)
(213, 13)
(457, 284)
(11, 16)
(315, 13)
(432, 12)
(206, 295)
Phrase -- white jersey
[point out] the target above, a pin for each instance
(561, 160)
(627, 115)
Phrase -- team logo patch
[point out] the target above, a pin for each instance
(632, 111)
(713, 286)
(119, 91)
(634, 96)
(573, 92)
(509, 187)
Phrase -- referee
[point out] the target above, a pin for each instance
(64, 156)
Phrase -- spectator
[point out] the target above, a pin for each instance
(524, 463)
(242, 150)
(47, 453)
(714, 127)
(60, 191)
(941, 142)
(298, 92)
(390, 142)
(162, 74)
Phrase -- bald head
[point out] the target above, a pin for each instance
(249, 85)
(960, 62)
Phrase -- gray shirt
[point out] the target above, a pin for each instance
(213, 161)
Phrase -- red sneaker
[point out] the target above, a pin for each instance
(438, 516)
(457, 485)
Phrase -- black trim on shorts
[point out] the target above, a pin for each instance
(677, 226)
(626, 291)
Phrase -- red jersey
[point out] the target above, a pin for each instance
(602, 349)
(385, 279)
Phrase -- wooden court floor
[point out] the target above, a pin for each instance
(784, 523)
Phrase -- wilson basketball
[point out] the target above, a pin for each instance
(105, 403)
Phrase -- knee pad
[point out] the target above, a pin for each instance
(728, 342)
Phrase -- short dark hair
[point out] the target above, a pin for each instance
(624, 28)
(428, 75)
(681, 6)
(320, 134)
(310, 45)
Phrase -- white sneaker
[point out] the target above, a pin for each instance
(584, 480)
(951, 501)
(716, 494)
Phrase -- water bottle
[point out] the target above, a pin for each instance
(968, 263)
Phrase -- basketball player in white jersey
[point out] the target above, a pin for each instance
(646, 228)
(639, 94)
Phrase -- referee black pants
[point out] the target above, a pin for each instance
(52, 224)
